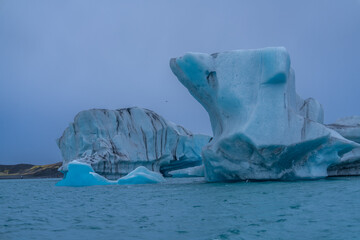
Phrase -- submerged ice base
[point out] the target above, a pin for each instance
(262, 129)
(81, 174)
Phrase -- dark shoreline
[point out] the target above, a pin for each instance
(29, 171)
(25, 177)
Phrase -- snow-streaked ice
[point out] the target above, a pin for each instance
(348, 127)
(115, 142)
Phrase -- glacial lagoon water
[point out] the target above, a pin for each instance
(181, 209)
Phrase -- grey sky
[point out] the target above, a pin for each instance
(60, 57)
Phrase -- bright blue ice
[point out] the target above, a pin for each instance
(82, 174)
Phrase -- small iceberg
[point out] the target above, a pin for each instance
(197, 171)
(81, 174)
(141, 175)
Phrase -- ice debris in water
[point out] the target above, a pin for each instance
(81, 174)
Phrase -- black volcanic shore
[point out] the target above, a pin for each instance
(28, 171)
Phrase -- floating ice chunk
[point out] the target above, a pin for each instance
(197, 171)
(141, 175)
(81, 174)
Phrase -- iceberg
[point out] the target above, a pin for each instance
(115, 142)
(348, 127)
(262, 129)
(80, 174)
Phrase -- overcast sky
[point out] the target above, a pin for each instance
(60, 57)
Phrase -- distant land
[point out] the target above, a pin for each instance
(27, 171)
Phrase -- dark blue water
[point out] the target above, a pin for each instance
(181, 209)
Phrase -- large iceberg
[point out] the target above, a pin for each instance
(115, 142)
(80, 174)
(262, 128)
(348, 127)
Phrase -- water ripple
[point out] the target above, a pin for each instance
(182, 209)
